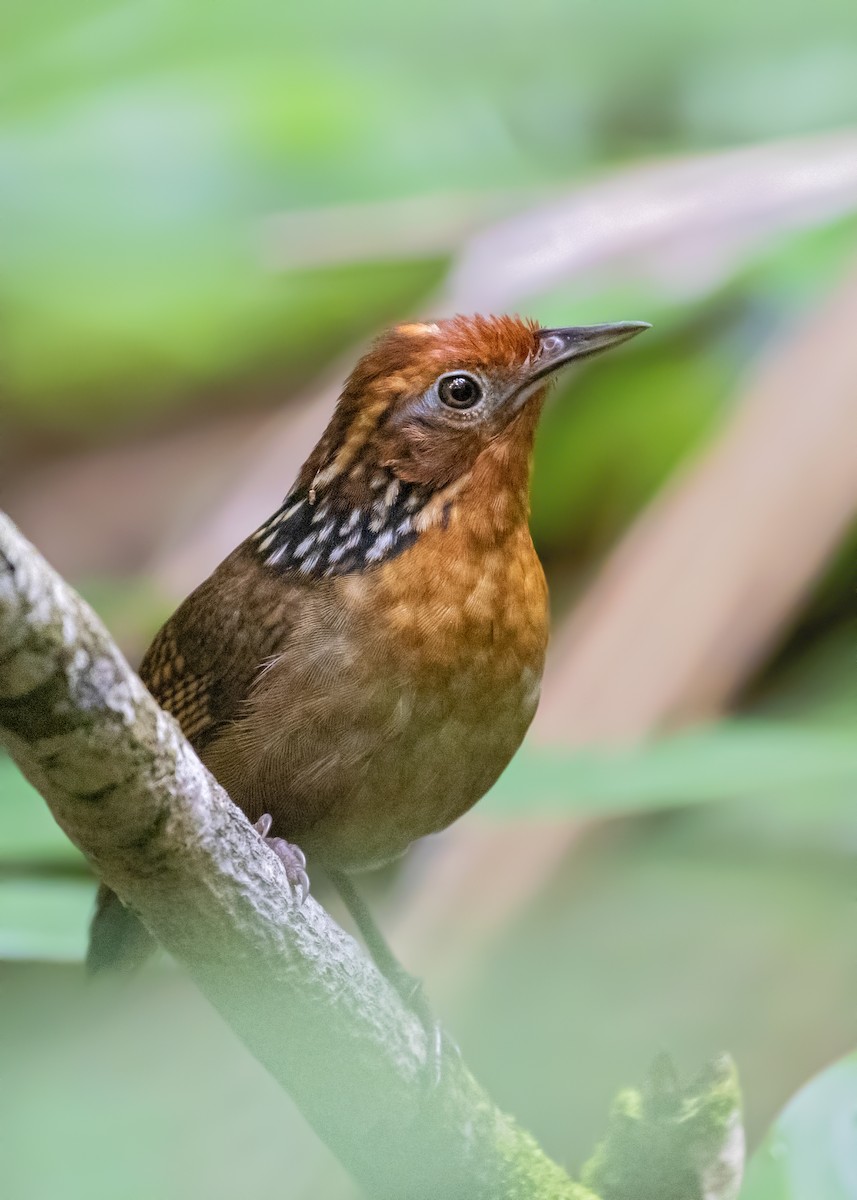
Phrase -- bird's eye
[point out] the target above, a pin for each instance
(459, 391)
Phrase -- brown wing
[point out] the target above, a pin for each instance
(185, 689)
(203, 663)
(201, 667)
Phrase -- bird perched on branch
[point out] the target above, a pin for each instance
(360, 670)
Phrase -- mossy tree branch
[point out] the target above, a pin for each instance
(129, 791)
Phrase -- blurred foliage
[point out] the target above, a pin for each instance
(44, 919)
(148, 152)
(141, 1092)
(31, 837)
(748, 759)
(612, 437)
(142, 145)
(658, 406)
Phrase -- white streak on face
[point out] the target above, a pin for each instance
(425, 518)
(528, 392)
(278, 554)
(397, 511)
(380, 546)
(324, 476)
(309, 564)
(290, 512)
(353, 520)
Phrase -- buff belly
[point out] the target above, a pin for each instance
(393, 707)
(355, 781)
(420, 781)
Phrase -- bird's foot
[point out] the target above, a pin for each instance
(292, 857)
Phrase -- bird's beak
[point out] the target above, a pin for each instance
(560, 346)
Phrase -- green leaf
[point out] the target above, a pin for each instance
(45, 919)
(811, 1151)
(732, 758)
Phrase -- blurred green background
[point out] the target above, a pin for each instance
(205, 212)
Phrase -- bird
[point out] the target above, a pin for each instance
(359, 671)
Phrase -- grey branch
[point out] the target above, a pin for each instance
(129, 791)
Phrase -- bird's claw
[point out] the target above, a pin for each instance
(412, 992)
(292, 858)
(434, 1060)
(263, 825)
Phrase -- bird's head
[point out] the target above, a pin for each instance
(434, 415)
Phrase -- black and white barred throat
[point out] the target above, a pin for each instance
(317, 535)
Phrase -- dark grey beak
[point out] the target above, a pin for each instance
(561, 346)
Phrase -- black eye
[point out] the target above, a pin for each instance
(459, 391)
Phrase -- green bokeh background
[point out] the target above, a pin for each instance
(156, 160)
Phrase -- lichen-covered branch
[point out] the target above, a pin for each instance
(668, 1142)
(127, 788)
